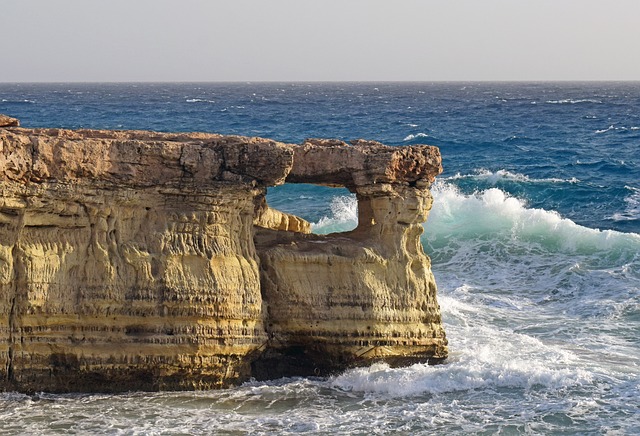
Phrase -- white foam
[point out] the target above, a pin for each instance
(480, 358)
(199, 100)
(494, 177)
(17, 101)
(614, 128)
(611, 127)
(572, 101)
(417, 135)
(344, 216)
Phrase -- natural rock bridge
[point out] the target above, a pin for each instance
(134, 260)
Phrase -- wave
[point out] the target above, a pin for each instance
(494, 177)
(344, 216)
(632, 211)
(492, 241)
(417, 135)
(17, 101)
(483, 358)
(572, 101)
(617, 128)
(199, 100)
(495, 214)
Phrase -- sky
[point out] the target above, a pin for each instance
(321, 40)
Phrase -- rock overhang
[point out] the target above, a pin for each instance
(144, 158)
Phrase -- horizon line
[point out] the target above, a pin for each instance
(316, 81)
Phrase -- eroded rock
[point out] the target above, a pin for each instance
(134, 260)
(6, 121)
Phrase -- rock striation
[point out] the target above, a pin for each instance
(134, 260)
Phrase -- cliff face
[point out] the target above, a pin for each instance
(142, 260)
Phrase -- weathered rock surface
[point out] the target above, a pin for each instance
(134, 260)
(6, 121)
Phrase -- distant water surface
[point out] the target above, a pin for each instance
(534, 237)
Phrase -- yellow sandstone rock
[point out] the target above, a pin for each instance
(134, 260)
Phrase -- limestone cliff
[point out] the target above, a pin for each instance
(144, 260)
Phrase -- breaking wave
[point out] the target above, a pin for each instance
(415, 136)
(495, 214)
(344, 216)
(490, 359)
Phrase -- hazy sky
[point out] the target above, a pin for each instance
(291, 40)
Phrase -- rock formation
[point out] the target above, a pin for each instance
(134, 260)
(6, 121)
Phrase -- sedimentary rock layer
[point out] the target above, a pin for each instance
(144, 260)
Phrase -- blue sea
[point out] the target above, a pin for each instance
(534, 237)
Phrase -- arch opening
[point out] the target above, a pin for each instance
(328, 209)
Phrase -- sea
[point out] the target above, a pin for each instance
(534, 236)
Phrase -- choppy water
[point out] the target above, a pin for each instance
(534, 237)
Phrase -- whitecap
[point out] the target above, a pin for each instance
(494, 177)
(608, 129)
(18, 101)
(572, 101)
(199, 100)
(417, 135)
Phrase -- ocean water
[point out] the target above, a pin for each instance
(534, 237)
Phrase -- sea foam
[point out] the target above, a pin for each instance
(480, 358)
(411, 137)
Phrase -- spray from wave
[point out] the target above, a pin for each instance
(344, 216)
